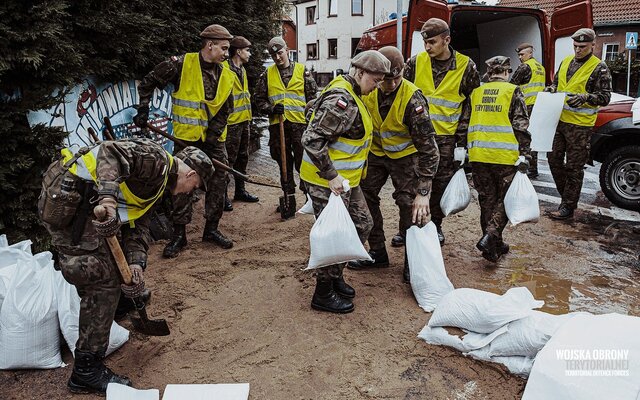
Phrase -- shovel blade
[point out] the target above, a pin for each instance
(287, 206)
(154, 327)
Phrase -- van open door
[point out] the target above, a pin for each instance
(565, 20)
(419, 12)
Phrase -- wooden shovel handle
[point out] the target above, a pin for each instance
(101, 213)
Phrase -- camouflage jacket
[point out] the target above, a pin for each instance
(170, 71)
(521, 75)
(261, 96)
(598, 85)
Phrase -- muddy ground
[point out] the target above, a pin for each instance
(243, 315)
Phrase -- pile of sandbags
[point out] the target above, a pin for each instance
(36, 305)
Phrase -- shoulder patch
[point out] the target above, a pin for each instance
(419, 109)
(342, 103)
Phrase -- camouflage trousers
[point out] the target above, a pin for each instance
(358, 210)
(574, 142)
(492, 182)
(293, 152)
(446, 169)
(237, 145)
(214, 198)
(404, 182)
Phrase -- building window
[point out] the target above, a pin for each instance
(293, 55)
(311, 15)
(333, 8)
(333, 48)
(312, 51)
(356, 7)
(354, 45)
(610, 51)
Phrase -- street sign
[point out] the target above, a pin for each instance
(631, 41)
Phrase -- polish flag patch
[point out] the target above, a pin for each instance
(419, 110)
(342, 103)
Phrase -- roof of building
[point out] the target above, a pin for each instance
(605, 12)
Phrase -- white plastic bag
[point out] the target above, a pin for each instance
(69, 315)
(517, 365)
(334, 238)
(457, 195)
(429, 280)
(483, 312)
(521, 200)
(29, 333)
(307, 208)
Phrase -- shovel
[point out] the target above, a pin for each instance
(255, 179)
(288, 201)
(155, 327)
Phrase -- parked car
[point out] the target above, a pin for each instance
(481, 31)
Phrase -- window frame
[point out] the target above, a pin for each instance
(313, 20)
(329, 56)
(317, 45)
(361, 13)
(329, 3)
(605, 52)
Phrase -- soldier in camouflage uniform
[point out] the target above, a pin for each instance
(587, 82)
(239, 127)
(208, 134)
(498, 136)
(336, 145)
(69, 194)
(404, 148)
(285, 95)
(446, 78)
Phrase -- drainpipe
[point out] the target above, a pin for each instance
(374, 13)
(297, 32)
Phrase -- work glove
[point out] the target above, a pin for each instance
(278, 109)
(576, 100)
(141, 118)
(137, 283)
(109, 225)
(550, 89)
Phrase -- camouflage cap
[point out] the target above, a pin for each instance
(498, 64)
(584, 35)
(216, 31)
(372, 61)
(276, 44)
(434, 27)
(240, 42)
(523, 46)
(198, 161)
(397, 60)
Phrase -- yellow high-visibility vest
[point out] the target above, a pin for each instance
(292, 96)
(130, 207)
(241, 98)
(349, 156)
(445, 101)
(191, 111)
(586, 114)
(391, 137)
(535, 84)
(491, 139)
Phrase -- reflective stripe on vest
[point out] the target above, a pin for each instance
(292, 97)
(445, 101)
(491, 139)
(535, 84)
(586, 114)
(191, 111)
(130, 207)
(241, 98)
(391, 137)
(348, 156)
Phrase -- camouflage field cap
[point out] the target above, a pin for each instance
(498, 64)
(198, 161)
(216, 31)
(372, 61)
(276, 44)
(434, 27)
(584, 35)
(240, 42)
(397, 61)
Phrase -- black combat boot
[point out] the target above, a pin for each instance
(503, 248)
(243, 195)
(406, 276)
(564, 212)
(90, 375)
(397, 240)
(213, 235)
(326, 299)
(177, 243)
(343, 288)
(227, 204)
(488, 246)
(380, 260)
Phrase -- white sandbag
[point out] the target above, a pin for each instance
(334, 238)
(521, 200)
(470, 341)
(457, 195)
(4, 242)
(226, 391)
(29, 333)
(483, 312)
(307, 208)
(116, 391)
(429, 280)
(69, 315)
(517, 365)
